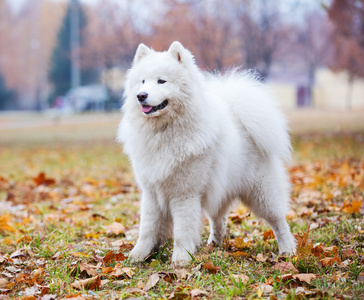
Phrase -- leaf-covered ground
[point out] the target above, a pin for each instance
(69, 217)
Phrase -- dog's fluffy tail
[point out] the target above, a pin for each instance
(253, 104)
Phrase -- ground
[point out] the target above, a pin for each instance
(69, 213)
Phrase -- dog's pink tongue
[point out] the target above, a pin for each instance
(146, 108)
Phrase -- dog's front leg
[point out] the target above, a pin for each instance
(149, 228)
(187, 214)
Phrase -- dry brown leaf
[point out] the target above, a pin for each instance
(348, 252)
(4, 226)
(302, 240)
(328, 261)
(197, 292)
(182, 273)
(264, 289)
(3, 283)
(74, 297)
(134, 291)
(285, 267)
(107, 270)
(90, 270)
(209, 266)
(41, 179)
(128, 271)
(111, 256)
(115, 228)
(88, 284)
(260, 257)
(240, 243)
(237, 254)
(28, 298)
(267, 235)
(353, 207)
(152, 281)
(361, 277)
(305, 277)
(121, 273)
(241, 277)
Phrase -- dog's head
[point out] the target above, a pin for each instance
(160, 83)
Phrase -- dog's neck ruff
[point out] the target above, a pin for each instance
(150, 109)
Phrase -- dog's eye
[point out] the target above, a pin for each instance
(143, 81)
(161, 81)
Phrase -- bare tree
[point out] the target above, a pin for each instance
(348, 38)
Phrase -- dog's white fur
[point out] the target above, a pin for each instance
(220, 138)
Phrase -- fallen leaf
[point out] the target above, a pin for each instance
(152, 281)
(88, 269)
(74, 297)
(3, 283)
(240, 243)
(209, 266)
(260, 257)
(4, 226)
(17, 253)
(285, 267)
(264, 289)
(197, 292)
(267, 235)
(239, 254)
(41, 179)
(182, 273)
(241, 277)
(115, 228)
(302, 240)
(88, 284)
(111, 256)
(353, 207)
(306, 277)
(328, 261)
(134, 291)
(361, 277)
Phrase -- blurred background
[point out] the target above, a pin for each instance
(67, 57)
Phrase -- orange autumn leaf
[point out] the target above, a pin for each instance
(41, 179)
(209, 266)
(88, 284)
(329, 261)
(111, 256)
(267, 235)
(285, 267)
(306, 277)
(4, 226)
(352, 207)
(115, 228)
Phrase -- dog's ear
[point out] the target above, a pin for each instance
(176, 49)
(180, 53)
(141, 52)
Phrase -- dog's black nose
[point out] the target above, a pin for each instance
(142, 96)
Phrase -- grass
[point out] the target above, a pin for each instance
(58, 226)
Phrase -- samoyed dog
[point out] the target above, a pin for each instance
(198, 143)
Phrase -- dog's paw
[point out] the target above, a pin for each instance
(181, 258)
(138, 254)
(288, 247)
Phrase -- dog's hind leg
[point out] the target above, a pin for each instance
(269, 200)
(154, 228)
(218, 223)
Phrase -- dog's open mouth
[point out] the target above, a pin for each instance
(150, 109)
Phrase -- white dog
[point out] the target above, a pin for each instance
(197, 143)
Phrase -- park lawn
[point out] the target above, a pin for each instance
(69, 214)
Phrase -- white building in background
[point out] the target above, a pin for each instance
(88, 97)
(331, 91)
